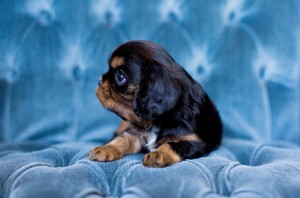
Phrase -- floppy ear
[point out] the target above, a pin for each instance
(158, 92)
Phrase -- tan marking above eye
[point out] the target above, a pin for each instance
(117, 61)
(131, 88)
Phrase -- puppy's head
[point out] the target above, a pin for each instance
(142, 82)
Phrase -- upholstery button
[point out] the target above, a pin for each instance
(12, 75)
(106, 13)
(41, 11)
(231, 16)
(173, 17)
(198, 63)
(233, 12)
(45, 18)
(108, 18)
(171, 10)
(200, 69)
(262, 72)
(78, 72)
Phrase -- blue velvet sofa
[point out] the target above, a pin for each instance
(245, 53)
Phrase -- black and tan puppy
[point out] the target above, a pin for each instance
(164, 110)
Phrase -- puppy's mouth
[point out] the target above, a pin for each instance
(108, 100)
(104, 96)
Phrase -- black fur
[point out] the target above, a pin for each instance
(171, 99)
(156, 94)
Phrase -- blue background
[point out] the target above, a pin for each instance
(245, 53)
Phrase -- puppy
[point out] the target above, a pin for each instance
(165, 112)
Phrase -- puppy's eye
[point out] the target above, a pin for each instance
(120, 78)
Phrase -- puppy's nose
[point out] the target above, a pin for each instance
(100, 82)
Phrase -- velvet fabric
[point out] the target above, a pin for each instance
(245, 53)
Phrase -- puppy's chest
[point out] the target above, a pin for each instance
(149, 138)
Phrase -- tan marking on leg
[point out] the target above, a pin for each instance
(190, 137)
(128, 142)
(123, 126)
(116, 149)
(166, 148)
(162, 157)
(117, 61)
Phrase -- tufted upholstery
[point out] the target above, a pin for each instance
(244, 52)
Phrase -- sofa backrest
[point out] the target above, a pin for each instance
(246, 54)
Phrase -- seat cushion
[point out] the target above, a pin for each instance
(238, 168)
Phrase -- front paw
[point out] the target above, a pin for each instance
(105, 153)
(158, 159)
